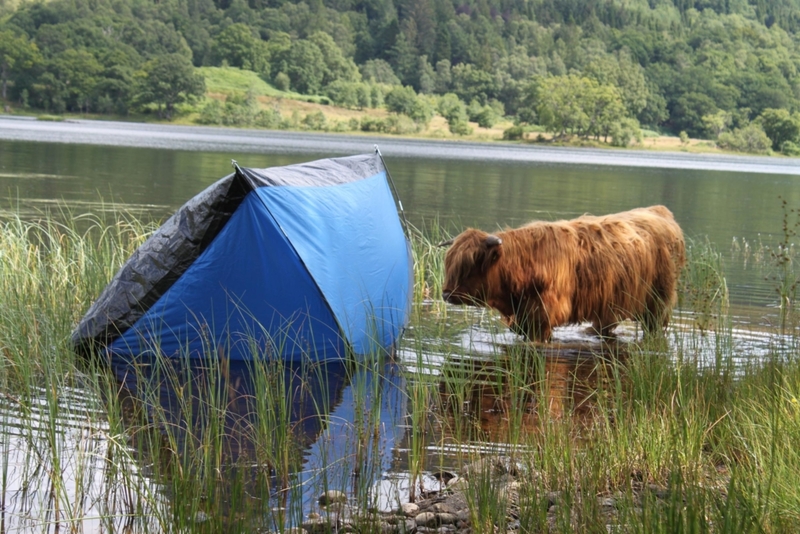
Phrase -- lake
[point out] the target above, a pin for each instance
(732, 201)
(91, 166)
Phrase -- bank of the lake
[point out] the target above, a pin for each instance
(307, 114)
(218, 139)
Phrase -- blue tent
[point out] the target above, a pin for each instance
(306, 261)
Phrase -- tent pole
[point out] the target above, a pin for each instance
(235, 165)
(394, 189)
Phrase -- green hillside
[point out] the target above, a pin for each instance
(726, 70)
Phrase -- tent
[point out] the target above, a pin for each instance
(306, 261)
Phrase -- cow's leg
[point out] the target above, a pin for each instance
(528, 327)
(512, 323)
(527, 324)
(662, 297)
(538, 331)
(655, 319)
(550, 310)
(604, 329)
(657, 313)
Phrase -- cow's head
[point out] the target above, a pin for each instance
(467, 264)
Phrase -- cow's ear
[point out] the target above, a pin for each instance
(494, 249)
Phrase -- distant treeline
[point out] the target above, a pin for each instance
(576, 67)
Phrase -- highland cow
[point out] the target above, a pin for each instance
(545, 274)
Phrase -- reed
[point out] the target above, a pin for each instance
(782, 258)
(428, 258)
(680, 433)
(703, 291)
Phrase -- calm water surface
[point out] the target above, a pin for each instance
(90, 166)
(732, 201)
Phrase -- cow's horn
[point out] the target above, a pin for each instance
(446, 243)
(493, 241)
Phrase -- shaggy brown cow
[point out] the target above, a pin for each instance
(546, 274)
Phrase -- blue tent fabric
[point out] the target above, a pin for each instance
(312, 261)
(328, 230)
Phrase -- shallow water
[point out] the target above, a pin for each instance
(466, 375)
(83, 166)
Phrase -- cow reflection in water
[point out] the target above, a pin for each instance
(515, 393)
(273, 436)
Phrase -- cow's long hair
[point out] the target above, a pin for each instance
(599, 269)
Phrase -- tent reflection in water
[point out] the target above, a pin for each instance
(336, 424)
(303, 262)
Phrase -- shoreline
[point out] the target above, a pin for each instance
(222, 139)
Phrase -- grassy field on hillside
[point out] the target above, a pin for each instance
(226, 84)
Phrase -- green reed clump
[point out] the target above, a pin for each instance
(782, 259)
(703, 288)
(680, 433)
(49, 270)
(428, 257)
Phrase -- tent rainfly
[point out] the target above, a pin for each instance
(303, 262)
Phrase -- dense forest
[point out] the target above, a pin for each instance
(719, 69)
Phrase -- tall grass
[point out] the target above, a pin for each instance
(660, 437)
(648, 436)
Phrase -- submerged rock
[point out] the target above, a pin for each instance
(427, 519)
(332, 497)
(201, 517)
(446, 518)
(319, 525)
(410, 509)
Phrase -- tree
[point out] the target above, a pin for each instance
(401, 99)
(363, 96)
(343, 93)
(404, 100)
(655, 111)
(689, 112)
(619, 70)
(305, 67)
(79, 72)
(427, 76)
(16, 53)
(116, 87)
(167, 81)
(606, 110)
(751, 139)
(404, 60)
(453, 109)
(486, 116)
(379, 71)
(337, 66)
(237, 46)
(625, 131)
(577, 105)
(444, 77)
(780, 126)
(471, 83)
(718, 122)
